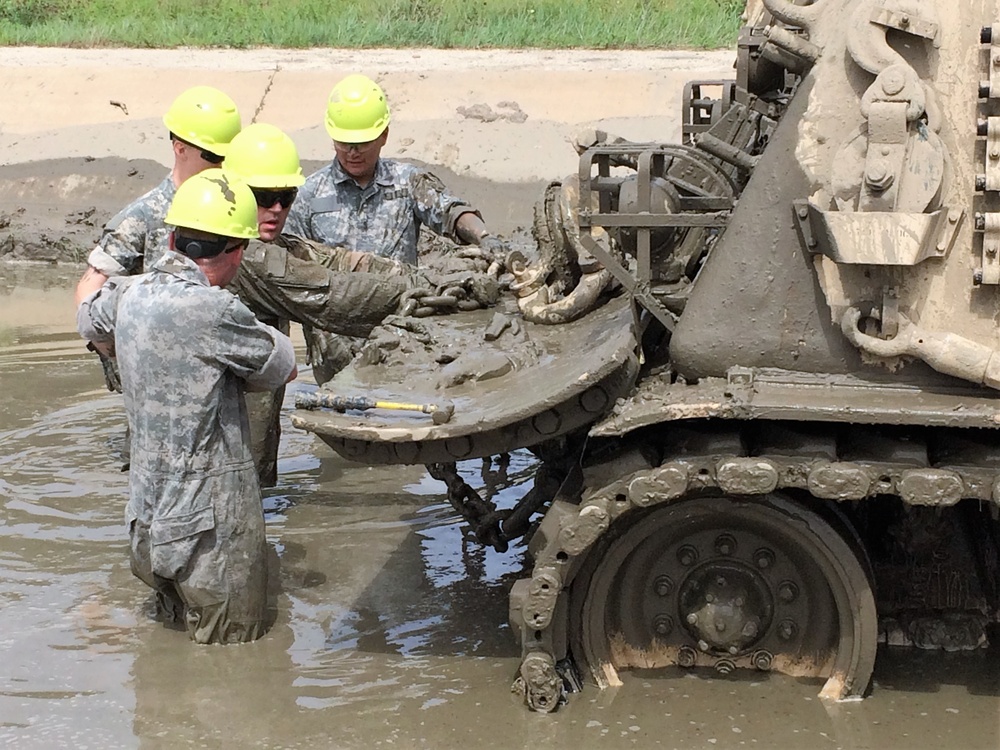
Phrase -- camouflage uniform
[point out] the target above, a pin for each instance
(187, 351)
(383, 218)
(293, 279)
(135, 237)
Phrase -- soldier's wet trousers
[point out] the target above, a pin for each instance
(218, 583)
(264, 415)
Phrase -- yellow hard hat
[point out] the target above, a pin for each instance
(357, 110)
(205, 117)
(262, 156)
(214, 202)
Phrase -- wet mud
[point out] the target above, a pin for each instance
(391, 625)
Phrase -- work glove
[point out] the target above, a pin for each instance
(493, 248)
(111, 377)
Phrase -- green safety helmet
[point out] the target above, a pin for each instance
(212, 201)
(262, 156)
(357, 111)
(205, 117)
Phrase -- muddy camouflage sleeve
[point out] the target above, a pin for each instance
(437, 208)
(274, 283)
(255, 352)
(97, 315)
(136, 236)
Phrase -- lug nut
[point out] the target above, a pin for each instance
(725, 544)
(787, 630)
(762, 660)
(763, 558)
(663, 586)
(724, 666)
(686, 657)
(687, 555)
(692, 619)
(663, 624)
(788, 592)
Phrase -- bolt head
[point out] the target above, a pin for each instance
(663, 586)
(762, 660)
(663, 625)
(788, 592)
(686, 657)
(692, 619)
(764, 558)
(787, 630)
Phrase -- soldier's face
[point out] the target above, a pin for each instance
(359, 159)
(273, 206)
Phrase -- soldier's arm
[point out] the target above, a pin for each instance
(97, 314)
(443, 212)
(259, 354)
(274, 283)
(90, 282)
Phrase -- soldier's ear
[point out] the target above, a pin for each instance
(172, 240)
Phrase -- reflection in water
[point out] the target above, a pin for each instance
(392, 624)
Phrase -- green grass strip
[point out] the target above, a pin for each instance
(543, 24)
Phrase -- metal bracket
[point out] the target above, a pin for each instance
(991, 250)
(993, 80)
(992, 163)
(877, 238)
(905, 21)
(887, 136)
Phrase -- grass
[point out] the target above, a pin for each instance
(546, 24)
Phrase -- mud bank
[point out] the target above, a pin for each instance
(85, 136)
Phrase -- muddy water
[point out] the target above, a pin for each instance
(391, 628)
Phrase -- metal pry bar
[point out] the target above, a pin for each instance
(440, 413)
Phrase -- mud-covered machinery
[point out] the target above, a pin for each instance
(760, 367)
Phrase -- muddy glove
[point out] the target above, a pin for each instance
(111, 378)
(493, 248)
(478, 287)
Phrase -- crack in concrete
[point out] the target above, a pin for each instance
(267, 90)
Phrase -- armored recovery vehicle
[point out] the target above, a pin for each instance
(766, 405)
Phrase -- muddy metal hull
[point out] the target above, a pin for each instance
(526, 386)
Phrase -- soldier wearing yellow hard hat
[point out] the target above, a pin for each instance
(371, 204)
(284, 279)
(200, 122)
(187, 351)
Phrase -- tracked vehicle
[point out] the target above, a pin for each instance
(760, 366)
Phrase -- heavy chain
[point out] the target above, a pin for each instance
(492, 527)
(481, 515)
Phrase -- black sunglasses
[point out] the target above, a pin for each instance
(198, 248)
(206, 155)
(267, 197)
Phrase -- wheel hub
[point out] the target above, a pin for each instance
(725, 606)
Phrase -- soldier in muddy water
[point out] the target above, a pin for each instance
(201, 122)
(370, 204)
(284, 278)
(188, 350)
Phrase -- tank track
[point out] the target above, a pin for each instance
(854, 468)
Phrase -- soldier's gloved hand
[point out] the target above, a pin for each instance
(480, 287)
(493, 248)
